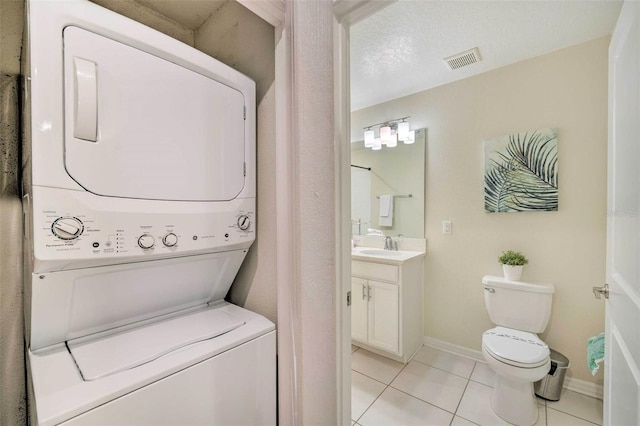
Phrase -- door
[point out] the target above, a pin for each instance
(622, 323)
(140, 126)
(383, 316)
(359, 302)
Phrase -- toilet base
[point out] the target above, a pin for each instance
(514, 401)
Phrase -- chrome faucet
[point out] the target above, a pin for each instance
(389, 244)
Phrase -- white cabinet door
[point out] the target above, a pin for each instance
(383, 316)
(359, 296)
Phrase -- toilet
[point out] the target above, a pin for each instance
(512, 349)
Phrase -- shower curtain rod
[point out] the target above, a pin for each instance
(361, 167)
(399, 196)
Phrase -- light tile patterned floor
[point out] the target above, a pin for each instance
(440, 389)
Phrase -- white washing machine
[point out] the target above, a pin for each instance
(139, 202)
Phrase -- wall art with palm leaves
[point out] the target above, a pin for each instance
(521, 172)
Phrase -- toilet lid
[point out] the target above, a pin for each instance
(515, 347)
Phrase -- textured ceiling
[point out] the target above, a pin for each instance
(399, 50)
(190, 13)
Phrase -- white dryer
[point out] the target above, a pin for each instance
(139, 201)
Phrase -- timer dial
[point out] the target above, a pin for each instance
(170, 239)
(146, 241)
(244, 222)
(67, 228)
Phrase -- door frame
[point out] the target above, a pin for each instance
(290, 321)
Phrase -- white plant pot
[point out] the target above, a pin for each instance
(512, 273)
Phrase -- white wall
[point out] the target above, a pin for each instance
(566, 90)
(315, 302)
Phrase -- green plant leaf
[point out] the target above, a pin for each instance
(524, 177)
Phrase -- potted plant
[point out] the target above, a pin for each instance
(512, 263)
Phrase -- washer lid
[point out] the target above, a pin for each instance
(515, 347)
(128, 349)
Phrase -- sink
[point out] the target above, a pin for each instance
(376, 252)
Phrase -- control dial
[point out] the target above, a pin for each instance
(244, 222)
(146, 241)
(67, 228)
(170, 239)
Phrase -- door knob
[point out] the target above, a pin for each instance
(597, 291)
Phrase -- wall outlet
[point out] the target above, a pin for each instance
(446, 226)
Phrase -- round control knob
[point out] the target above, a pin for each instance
(244, 222)
(170, 239)
(67, 228)
(146, 241)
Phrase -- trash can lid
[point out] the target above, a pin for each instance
(560, 360)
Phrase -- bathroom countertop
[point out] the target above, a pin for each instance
(373, 254)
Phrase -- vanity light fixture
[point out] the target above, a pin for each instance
(390, 132)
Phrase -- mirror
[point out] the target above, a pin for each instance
(398, 172)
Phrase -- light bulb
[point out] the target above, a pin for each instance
(385, 134)
(368, 138)
(403, 131)
(377, 144)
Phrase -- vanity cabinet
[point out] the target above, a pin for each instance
(386, 306)
(374, 314)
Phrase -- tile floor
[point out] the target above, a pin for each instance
(439, 388)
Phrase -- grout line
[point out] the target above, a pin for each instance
(420, 399)
(368, 377)
(372, 378)
(470, 421)
(446, 371)
(464, 391)
(572, 415)
(383, 390)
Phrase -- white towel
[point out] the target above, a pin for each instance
(386, 210)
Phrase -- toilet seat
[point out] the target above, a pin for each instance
(515, 347)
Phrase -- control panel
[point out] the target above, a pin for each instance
(76, 233)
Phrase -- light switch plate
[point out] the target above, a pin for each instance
(446, 226)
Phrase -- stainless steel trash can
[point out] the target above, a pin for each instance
(550, 386)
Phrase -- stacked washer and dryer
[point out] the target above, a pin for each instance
(139, 202)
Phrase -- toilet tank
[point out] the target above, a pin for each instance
(518, 305)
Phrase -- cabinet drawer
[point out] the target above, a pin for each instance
(374, 271)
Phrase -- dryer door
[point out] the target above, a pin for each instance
(139, 126)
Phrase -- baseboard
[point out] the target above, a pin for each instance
(584, 387)
(455, 349)
(580, 386)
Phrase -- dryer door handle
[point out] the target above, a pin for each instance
(85, 100)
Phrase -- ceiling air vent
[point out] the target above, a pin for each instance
(463, 59)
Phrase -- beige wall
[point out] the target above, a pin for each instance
(237, 37)
(566, 90)
(242, 40)
(150, 18)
